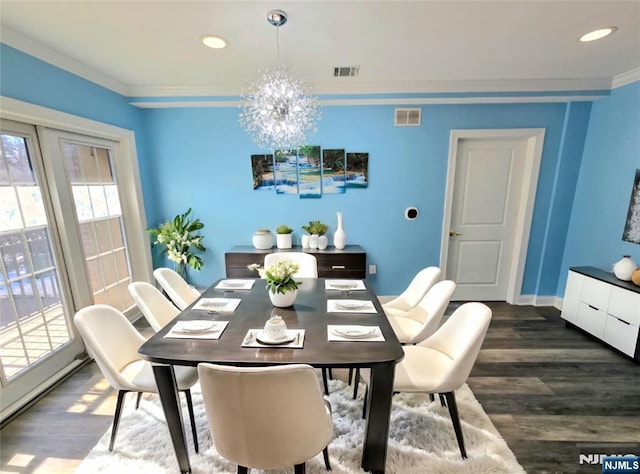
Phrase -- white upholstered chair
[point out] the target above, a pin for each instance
(113, 342)
(308, 263)
(422, 321)
(266, 417)
(176, 287)
(411, 296)
(156, 308)
(442, 363)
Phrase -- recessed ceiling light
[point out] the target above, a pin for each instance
(213, 41)
(598, 34)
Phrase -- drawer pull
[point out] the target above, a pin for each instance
(623, 321)
(338, 267)
(593, 307)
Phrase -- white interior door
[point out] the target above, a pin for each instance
(490, 202)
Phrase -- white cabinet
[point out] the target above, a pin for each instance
(607, 308)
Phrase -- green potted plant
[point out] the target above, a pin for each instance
(284, 236)
(180, 238)
(318, 239)
(281, 284)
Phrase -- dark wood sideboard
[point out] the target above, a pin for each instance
(351, 262)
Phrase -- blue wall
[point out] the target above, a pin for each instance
(611, 157)
(199, 157)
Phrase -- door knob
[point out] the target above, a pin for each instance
(453, 233)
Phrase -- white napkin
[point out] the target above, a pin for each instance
(216, 331)
(344, 285)
(233, 284)
(217, 304)
(334, 306)
(375, 336)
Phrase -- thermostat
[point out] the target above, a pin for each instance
(410, 213)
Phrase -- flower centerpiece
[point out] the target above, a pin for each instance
(282, 286)
(180, 238)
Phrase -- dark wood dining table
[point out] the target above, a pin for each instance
(309, 312)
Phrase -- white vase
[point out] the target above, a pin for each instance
(624, 268)
(313, 241)
(284, 241)
(323, 241)
(283, 300)
(340, 237)
(262, 239)
(305, 241)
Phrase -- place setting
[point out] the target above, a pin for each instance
(274, 334)
(197, 329)
(217, 305)
(350, 306)
(353, 333)
(344, 285)
(235, 284)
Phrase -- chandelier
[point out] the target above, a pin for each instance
(275, 109)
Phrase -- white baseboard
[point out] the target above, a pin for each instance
(535, 300)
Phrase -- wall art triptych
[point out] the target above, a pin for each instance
(310, 171)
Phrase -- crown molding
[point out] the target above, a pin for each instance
(626, 78)
(34, 48)
(353, 86)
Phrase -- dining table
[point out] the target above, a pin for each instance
(242, 307)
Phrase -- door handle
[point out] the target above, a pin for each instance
(453, 233)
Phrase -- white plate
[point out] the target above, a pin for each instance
(354, 333)
(262, 339)
(194, 326)
(233, 283)
(343, 285)
(352, 304)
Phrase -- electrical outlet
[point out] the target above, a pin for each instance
(372, 269)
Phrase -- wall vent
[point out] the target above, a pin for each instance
(346, 71)
(408, 117)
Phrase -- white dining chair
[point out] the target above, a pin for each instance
(442, 363)
(308, 263)
(413, 294)
(155, 307)
(422, 320)
(266, 417)
(178, 290)
(113, 342)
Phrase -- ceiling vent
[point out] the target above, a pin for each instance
(408, 117)
(346, 71)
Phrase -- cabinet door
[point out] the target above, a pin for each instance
(596, 293)
(621, 335)
(571, 300)
(625, 304)
(591, 319)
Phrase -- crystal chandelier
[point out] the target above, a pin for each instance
(275, 109)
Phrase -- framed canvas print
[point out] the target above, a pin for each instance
(309, 171)
(632, 226)
(333, 171)
(286, 171)
(262, 170)
(357, 170)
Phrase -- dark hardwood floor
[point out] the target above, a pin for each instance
(551, 391)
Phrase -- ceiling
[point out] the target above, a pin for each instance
(153, 48)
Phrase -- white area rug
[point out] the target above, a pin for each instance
(421, 439)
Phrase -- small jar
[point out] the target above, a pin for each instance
(624, 268)
(262, 239)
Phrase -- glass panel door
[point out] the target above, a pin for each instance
(34, 313)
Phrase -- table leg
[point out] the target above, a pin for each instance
(374, 452)
(168, 391)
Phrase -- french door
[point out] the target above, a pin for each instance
(63, 246)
